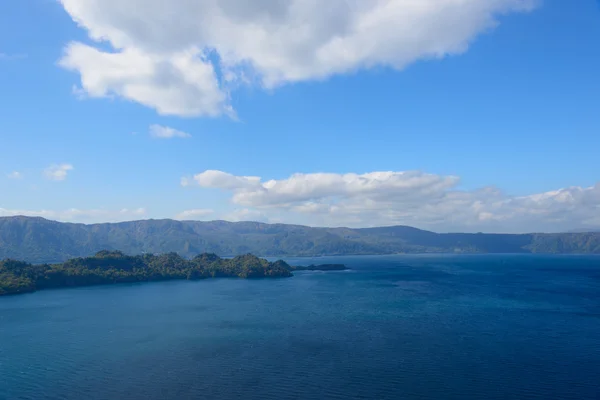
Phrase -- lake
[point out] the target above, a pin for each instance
(392, 327)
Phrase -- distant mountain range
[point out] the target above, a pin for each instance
(584, 230)
(35, 239)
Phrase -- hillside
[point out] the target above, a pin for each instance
(38, 240)
(110, 267)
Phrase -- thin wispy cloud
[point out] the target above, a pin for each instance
(57, 172)
(194, 214)
(165, 132)
(14, 175)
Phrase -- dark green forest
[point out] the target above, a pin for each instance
(110, 267)
(322, 267)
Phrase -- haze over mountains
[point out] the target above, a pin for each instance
(35, 239)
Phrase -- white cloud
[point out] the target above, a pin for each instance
(57, 172)
(14, 175)
(165, 132)
(180, 57)
(79, 215)
(198, 213)
(252, 192)
(223, 180)
(405, 198)
(181, 83)
(185, 181)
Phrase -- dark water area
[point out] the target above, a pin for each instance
(393, 327)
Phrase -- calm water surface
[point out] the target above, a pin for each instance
(394, 327)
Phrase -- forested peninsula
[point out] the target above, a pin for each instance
(111, 267)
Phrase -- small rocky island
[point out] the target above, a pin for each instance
(111, 267)
(322, 267)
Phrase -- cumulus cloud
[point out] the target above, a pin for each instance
(198, 213)
(14, 175)
(223, 180)
(182, 83)
(57, 172)
(79, 215)
(405, 198)
(165, 132)
(301, 188)
(182, 57)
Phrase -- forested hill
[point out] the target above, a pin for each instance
(110, 267)
(39, 240)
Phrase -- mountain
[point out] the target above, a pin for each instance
(39, 240)
(584, 230)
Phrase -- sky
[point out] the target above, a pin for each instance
(447, 115)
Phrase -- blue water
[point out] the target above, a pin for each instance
(394, 327)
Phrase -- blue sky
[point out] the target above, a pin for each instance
(473, 119)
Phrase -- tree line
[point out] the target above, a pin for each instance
(110, 267)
